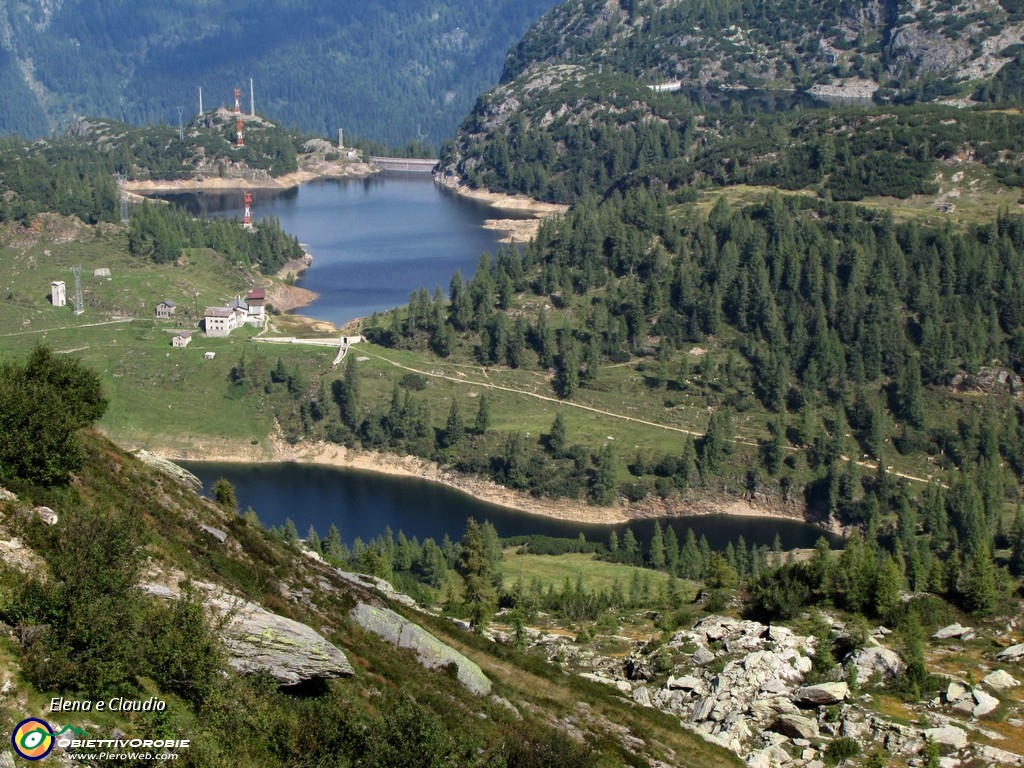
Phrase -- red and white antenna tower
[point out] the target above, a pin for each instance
(247, 219)
(238, 130)
(238, 100)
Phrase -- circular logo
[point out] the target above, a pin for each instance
(32, 739)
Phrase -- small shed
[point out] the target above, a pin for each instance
(166, 309)
(209, 355)
(58, 293)
(101, 272)
(181, 339)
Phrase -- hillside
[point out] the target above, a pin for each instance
(139, 591)
(597, 94)
(907, 51)
(392, 71)
(121, 586)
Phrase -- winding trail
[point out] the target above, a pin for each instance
(612, 414)
(68, 327)
(539, 397)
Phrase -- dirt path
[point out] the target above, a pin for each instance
(548, 398)
(68, 327)
(613, 415)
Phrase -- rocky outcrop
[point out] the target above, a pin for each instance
(1013, 653)
(953, 631)
(373, 582)
(430, 651)
(821, 695)
(876, 662)
(970, 701)
(258, 640)
(759, 665)
(796, 726)
(740, 684)
(947, 735)
(1000, 680)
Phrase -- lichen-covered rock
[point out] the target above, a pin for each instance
(430, 651)
(1000, 680)
(289, 651)
(983, 703)
(822, 694)
(948, 735)
(1013, 653)
(257, 640)
(950, 632)
(876, 660)
(796, 727)
(956, 691)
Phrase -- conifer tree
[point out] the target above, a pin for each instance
(483, 416)
(557, 435)
(454, 428)
(656, 550)
(479, 595)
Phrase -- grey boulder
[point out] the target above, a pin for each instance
(430, 651)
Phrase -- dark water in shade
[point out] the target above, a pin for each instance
(374, 241)
(362, 503)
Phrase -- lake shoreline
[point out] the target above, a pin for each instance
(480, 489)
(217, 184)
(517, 230)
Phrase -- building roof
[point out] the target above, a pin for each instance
(167, 303)
(237, 303)
(184, 334)
(256, 294)
(217, 312)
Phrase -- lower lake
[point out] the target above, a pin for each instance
(362, 503)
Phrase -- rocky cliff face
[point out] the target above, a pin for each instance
(777, 44)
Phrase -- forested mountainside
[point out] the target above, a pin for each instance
(576, 111)
(391, 70)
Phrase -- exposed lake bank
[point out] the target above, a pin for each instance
(517, 230)
(277, 451)
(309, 170)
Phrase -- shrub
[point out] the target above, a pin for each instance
(415, 382)
(841, 749)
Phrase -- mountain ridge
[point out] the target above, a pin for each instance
(392, 71)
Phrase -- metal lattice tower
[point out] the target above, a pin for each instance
(181, 130)
(79, 304)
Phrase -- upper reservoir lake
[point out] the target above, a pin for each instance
(374, 241)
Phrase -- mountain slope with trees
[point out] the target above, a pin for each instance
(577, 110)
(391, 70)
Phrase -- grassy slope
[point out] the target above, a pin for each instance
(266, 570)
(553, 571)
